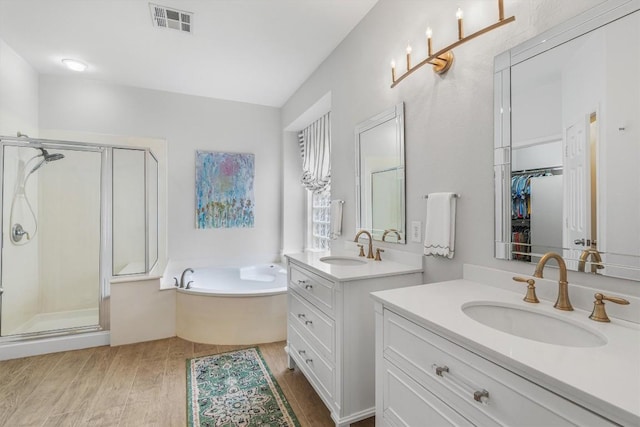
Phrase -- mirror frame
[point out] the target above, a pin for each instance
(584, 23)
(394, 113)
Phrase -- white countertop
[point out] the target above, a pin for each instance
(605, 379)
(343, 273)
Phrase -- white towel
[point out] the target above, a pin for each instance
(336, 219)
(440, 229)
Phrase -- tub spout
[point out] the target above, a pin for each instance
(184, 273)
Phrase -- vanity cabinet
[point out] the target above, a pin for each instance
(331, 335)
(423, 378)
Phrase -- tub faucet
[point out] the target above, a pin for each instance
(370, 254)
(562, 303)
(182, 284)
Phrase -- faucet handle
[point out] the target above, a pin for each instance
(378, 250)
(531, 289)
(599, 314)
(361, 250)
(175, 282)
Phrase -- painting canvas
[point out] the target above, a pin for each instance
(224, 190)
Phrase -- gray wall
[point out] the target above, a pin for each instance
(448, 119)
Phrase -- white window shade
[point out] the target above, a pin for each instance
(315, 148)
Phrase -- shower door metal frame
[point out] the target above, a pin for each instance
(105, 230)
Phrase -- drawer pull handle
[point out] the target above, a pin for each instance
(481, 396)
(302, 282)
(301, 352)
(441, 369)
(308, 322)
(308, 287)
(301, 315)
(308, 360)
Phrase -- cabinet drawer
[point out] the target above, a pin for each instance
(316, 289)
(511, 400)
(406, 403)
(320, 329)
(311, 363)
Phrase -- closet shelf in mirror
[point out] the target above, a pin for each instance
(557, 170)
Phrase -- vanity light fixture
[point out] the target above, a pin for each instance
(75, 65)
(443, 58)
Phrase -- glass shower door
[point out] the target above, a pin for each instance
(51, 248)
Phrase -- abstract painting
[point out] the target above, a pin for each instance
(224, 190)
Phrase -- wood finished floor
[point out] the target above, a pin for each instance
(140, 384)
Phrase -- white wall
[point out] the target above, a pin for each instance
(18, 94)
(188, 123)
(448, 119)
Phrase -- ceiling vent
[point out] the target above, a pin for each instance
(167, 17)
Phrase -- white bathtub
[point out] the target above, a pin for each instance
(228, 306)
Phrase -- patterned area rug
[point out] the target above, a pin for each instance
(235, 389)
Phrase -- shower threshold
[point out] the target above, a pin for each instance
(58, 320)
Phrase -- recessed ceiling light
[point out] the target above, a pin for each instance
(75, 65)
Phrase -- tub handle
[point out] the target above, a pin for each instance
(308, 322)
(308, 287)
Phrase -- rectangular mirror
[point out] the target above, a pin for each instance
(380, 176)
(567, 157)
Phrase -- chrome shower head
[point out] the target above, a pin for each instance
(46, 158)
(53, 157)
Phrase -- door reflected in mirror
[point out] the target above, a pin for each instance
(380, 176)
(575, 151)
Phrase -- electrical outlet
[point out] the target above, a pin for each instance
(416, 231)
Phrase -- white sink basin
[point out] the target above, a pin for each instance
(342, 260)
(532, 324)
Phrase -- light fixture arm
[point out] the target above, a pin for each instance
(443, 58)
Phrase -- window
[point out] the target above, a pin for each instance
(315, 149)
(319, 223)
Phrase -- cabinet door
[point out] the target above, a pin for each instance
(406, 403)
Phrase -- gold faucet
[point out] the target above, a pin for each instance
(370, 254)
(596, 260)
(389, 231)
(562, 303)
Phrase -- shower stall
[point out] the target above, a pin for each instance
(74, 215)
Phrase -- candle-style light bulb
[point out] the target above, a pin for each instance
(459, 16)
(429, 33)
(393, 71)
(409, 57)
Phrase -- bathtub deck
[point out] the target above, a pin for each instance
(140, 384)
